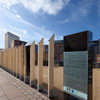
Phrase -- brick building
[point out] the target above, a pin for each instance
(58, 53)
(16, 43)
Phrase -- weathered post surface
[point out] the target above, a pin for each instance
(51, 67)
(32, 63)
(40, 64)
(21, 61)
(25, 64)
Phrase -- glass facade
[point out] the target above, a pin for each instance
(76, 72)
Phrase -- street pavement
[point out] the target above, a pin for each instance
(12, 88)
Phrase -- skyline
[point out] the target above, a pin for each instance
(36, 19)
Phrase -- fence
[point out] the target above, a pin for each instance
(15, 60)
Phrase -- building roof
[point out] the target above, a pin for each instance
(87, 31)
(9, 33)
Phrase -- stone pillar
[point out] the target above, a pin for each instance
(51, 66)
(32, 63)
(40, 64)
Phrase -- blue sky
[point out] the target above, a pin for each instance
(36, 19)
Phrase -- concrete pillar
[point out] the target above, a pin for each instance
(32, 62)
(51, 66)
(40, 64)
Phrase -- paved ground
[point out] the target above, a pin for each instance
(12, 88)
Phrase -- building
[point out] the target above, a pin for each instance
(97, 64)
(58, 53)
(16, 43)
(27, 57)
(97, 61)
(78, 64)
(1, 50)
(9, 37)
(45, 55)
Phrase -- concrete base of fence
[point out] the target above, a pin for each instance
(22, 78)
(34, 84)
(27, 81)
(18, 76)
(14, 74)
(52, 94)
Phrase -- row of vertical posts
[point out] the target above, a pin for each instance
(40, 65)
(14, 60)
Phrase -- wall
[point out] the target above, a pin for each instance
(96, 84)
(15, 60)
(12, 59)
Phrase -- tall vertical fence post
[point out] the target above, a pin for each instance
(51, 67)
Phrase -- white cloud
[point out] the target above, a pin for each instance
(51, 7)
(18, 31)
(18, 16)
(22, 28)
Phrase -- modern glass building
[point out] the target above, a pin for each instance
(78, 65)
